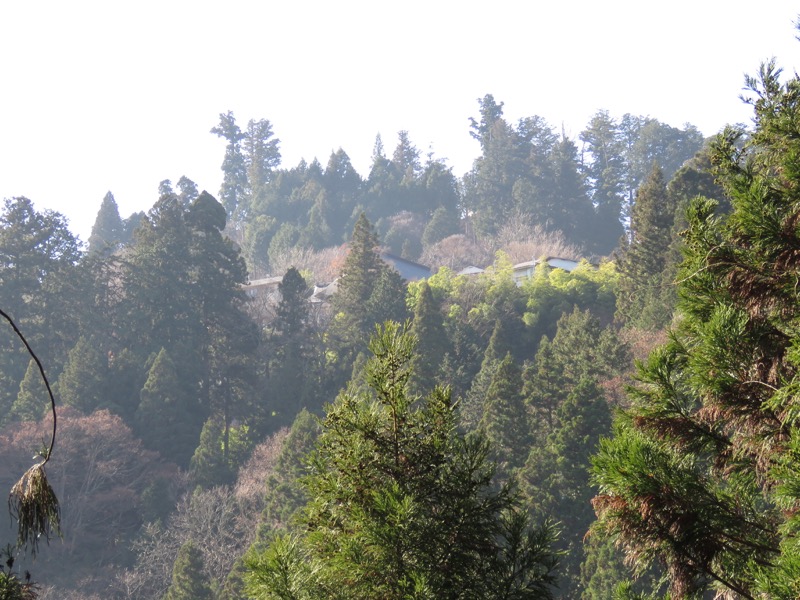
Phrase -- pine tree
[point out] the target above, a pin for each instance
(32, 399)
(555, 479)
(701, 473)
(189, 582)
(363, 268)
(400, 506)
(644, 256)
(505, 418)
(83, 382)
(432, 343)
(108, 231)
(167, 419)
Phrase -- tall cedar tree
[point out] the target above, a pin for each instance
(401, 506)
(167, 417)
(290, 373)
(84, 381)
(363, 268)
(505, 418)
(189, 581)
(432, 343)
(108, 231)
(555, 479)
(605, 172)
(644, 256)
(702, 472)
(234, 179)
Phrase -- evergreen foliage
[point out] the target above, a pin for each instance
(505, 418)
(700, 475)
(400, 506)
(292, 369)
(32, 399)
(209, 465)
(644, 256)
(188, 579)
(432, 344)
(556, 476)
(108, 230)
(167, 416)
(83, 382)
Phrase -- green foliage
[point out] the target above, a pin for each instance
(188, 580)
(108, 231)
(553, 292)
(555, 478)
(83, 381)
(644, 257)
(701, 473)
(285, 493)
(505, 418)
(11, 587)
(39, 284)
(401, 506)
(432, 344)
(167, 418)
(32, 400)
(293, 353)
(234, 171)
(369, 291)
(209, 465)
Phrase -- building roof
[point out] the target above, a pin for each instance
(408, 269)
(471, 270)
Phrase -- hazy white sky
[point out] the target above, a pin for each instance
(100, 96)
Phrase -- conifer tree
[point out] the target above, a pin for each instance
(234, 182)
(475, 400)
(556, 477)
(83, 382)
(432, 343)
(606, 173)
(701, 474)
(167, 419)
(291, 372)
(387, 302)
(645, 254)
(285, 492)
(108, 230)
(505, 418)
(209, 465)
(543, 388)
(401, 506)
(363, 268)
(442, 224)
(189, 582)
(32, 399)
(188, 191)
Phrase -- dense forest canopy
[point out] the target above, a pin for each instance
(409, 383)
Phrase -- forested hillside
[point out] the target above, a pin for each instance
(254, 403)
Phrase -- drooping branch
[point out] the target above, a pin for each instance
(44, 378)
(32, 500)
